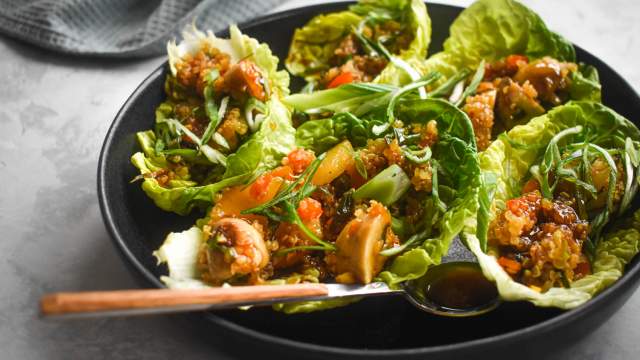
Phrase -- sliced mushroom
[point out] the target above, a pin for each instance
(244, 78)
(359, 245)
(548, 76)
(239, 249)
(516, 104)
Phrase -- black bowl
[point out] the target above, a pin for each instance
(377, 327)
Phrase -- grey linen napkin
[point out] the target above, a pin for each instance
(118, 28)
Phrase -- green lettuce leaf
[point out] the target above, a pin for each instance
(311, 306)
(181, 196)
(266, 147)
(585, 84)
(456, 153)
(321, 135)
(494, 29)
(613, 253)
(180, 252)
(313, 45)
(509, 160)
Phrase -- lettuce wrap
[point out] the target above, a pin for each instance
(490, 30)
(507, 164)
(456, 156)
(211, 162)
(503, 66)
(313, 46)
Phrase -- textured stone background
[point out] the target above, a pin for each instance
(55, 112)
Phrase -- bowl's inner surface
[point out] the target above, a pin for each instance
(382, 323)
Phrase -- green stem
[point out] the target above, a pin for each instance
(418, 157)
(379, 129)
(295, 219)
(446, 88)
(473, 85)
(296, 248)
(410, 242)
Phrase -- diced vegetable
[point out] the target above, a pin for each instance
(336, 162)
(245, 77)
(309, 209)
(386, 187)
(261, 187)
(299, 159)
(510, 266)
(242, 197)
(341, 79)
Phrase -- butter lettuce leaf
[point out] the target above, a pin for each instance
(493, 29)
(311, 306)
(509, 159)
(585, 84)
(180, 253)
(266, 147)
(180, 196)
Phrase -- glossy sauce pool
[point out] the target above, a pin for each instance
(458, 285)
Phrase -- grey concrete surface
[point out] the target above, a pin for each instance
(54, 114)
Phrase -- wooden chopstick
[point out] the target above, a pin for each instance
(166, 300)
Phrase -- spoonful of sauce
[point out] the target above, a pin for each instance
(454, 288)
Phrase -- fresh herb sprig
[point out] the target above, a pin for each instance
(576, 168)
(434, 208)
(378, 48)
(397, 95)
(473, 85)
(283, 207)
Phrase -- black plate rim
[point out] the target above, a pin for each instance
(628, 279)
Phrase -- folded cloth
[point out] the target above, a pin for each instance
(118, 28)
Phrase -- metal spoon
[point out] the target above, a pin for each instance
(426, 293)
